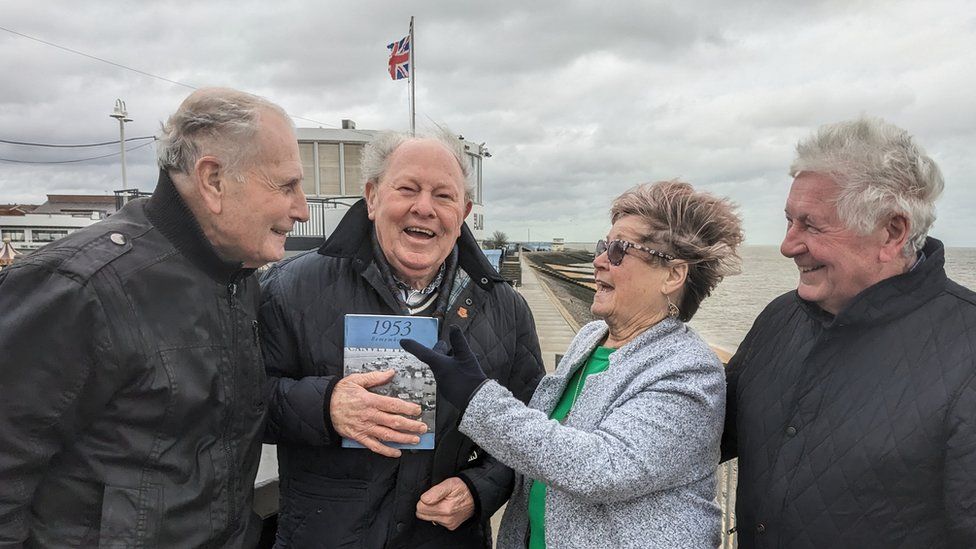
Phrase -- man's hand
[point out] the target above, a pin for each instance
(369, 418)
(447, 504)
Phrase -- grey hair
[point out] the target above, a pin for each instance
(696, 227)
(880, 171)
(218, 121)
(377, 153)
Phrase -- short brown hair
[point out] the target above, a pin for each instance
(694, 226)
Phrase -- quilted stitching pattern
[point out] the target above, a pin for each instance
(304, 304)
(858, 431)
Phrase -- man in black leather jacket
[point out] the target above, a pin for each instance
(402, 250)
(131, 390)
(852, 402)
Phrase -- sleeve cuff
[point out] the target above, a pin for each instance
(474, 494)
(330, 432)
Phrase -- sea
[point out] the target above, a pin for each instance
(726, 316)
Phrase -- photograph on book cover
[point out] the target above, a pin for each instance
(372, 344)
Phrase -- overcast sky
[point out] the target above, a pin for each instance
(577, 101)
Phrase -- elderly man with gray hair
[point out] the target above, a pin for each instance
(132, 388)
(852, 401)
(402, 250)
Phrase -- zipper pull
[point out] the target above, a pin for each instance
(256, 330)
(232, 289)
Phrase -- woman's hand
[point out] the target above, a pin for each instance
(455, 367)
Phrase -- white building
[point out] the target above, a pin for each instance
(333, 182)
(59, 216)
(30, 232)
(331, 161)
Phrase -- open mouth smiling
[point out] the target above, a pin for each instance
(603, 286)
(419, 232)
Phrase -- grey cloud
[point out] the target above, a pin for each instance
(577, 100)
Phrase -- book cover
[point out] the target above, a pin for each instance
(372, 343)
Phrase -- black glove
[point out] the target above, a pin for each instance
(458, 373)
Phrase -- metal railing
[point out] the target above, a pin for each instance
(728, 476)
(317, 225)
(122, 197)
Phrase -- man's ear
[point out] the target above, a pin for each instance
(895, 234)
(208, 181)
(371, 194)
(467, 209)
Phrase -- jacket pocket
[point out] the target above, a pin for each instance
(332, 513)
(130, 517)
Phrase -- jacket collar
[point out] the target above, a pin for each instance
(169, 213)
(892, 297)
(352, 239)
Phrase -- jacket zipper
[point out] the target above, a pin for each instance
(231, 469)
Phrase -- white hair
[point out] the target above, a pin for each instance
(377, 153)
(880, 171)
(217, 121)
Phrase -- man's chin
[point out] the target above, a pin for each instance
(271, 257)
(419, 261)
(811, 294)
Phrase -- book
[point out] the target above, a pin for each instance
(372, 343)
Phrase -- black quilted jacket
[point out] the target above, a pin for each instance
(859, 430)
(338, 497)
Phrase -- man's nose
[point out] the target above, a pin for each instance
(792, 245)
(299, 209)
(423, 204)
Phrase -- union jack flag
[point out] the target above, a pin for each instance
(400, 58)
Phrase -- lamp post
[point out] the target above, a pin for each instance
(123, 117)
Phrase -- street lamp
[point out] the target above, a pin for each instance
(123, 117)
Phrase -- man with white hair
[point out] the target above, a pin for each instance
(852, 401)
(402, 250)
(132, 387)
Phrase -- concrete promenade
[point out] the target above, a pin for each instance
(555, 331)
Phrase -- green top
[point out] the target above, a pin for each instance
(599, 361)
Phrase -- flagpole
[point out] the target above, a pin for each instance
(413, 78)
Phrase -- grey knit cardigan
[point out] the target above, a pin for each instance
(634, 463)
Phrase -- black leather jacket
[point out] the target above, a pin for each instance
(339, 497)
(130, 388)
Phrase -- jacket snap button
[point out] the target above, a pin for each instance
(467, 301)
(400, 526)
(760, 528)
(117, 238)
(791, 431)
(484, 280)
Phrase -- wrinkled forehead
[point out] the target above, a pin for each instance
(812, 194)
(427, 156)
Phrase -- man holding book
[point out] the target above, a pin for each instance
(402, 250)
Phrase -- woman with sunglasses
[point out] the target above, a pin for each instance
(618, 447)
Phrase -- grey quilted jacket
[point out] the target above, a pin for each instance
(634, 463)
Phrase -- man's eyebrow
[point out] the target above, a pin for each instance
(803, 217)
